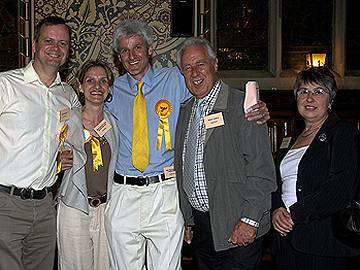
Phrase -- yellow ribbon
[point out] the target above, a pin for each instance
(62, 136)
(95, 151)
(163, 129)
(163, 109)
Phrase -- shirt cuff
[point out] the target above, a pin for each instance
(250, 222)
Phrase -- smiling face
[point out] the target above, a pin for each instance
(199, 70)
(95, 86)
(313, 107)
(52, 48)
(134, 54)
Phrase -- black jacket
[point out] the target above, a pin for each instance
(326, 182)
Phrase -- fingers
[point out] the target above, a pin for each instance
(282, 221)
(188, 234)
(258, 112)
(66, 158)
(243, 234)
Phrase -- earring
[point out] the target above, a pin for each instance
(329, 107)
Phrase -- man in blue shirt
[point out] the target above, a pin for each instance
(143, 215)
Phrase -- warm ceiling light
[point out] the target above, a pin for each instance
(315, 59)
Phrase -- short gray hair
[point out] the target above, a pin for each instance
(319, 75)
(128, 28)
(195, 41)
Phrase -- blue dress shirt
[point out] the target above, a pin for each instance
(163, 83)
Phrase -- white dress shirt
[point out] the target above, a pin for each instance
(30, 126)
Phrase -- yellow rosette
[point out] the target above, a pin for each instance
(62, 136)
(163, 109)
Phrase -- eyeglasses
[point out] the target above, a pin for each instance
(317, 92)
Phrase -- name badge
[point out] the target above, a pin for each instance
(214, 120)
(285, 142)
(64, 115)
(169, 172)
(103, 127)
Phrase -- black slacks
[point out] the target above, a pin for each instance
(286, 257)
(237, 258)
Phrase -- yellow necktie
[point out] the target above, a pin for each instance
(140, 136)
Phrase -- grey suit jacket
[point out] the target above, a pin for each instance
(238, 166)
(73, 190)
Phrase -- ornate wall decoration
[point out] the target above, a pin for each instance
(92, 23)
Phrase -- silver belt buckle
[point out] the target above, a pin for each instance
(94, 202)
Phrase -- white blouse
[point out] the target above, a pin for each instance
(288, 171)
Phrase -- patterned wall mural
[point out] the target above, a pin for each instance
(92, 23)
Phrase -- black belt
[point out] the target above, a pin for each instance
(26, 193)
(138, 181)
(96, 201)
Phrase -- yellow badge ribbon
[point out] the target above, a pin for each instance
(163, 109)
(62, 136)
(95, 150)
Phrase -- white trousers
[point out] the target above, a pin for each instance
(82, 243)
(145, 221)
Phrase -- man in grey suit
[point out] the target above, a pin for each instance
(224, 167)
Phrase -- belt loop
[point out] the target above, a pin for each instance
(12, 190)
(124, 180)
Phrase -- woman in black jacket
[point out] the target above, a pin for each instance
(317, 174)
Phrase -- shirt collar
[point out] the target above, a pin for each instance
(30, 75)
(212, 94)
(147, 80)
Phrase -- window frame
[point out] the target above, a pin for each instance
(273, 78)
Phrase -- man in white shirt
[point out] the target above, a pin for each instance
(34, 107)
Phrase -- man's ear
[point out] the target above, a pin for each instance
(33, 47)
(150, 51)
(216, 64)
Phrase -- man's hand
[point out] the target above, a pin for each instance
(282, 221)
(66, 159)
(188, 234)
(243, 234)
(258, 112)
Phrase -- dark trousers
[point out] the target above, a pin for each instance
(286, 257)
(237, 258)
(27, 233)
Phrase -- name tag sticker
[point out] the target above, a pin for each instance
(169, 172)
(103, 127)
(214, 120)
(64, 115)
(285, 142)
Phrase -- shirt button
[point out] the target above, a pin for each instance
(299, 189)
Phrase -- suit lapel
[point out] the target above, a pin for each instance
(220, 105)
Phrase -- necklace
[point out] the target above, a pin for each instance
(307, 133)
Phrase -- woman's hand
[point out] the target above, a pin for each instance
(282, 221)
(66, 159)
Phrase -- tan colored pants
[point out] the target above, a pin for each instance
(82, 243)
(27, 233)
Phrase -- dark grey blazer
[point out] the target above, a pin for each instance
(326, 180)
(238, 166)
